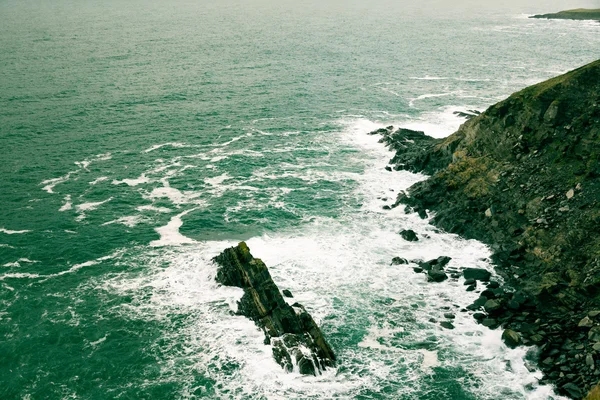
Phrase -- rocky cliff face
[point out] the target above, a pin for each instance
(524, 177)
(297, 341)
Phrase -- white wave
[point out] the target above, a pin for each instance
(133, 182)
(98, 180)
(130, 221)
(176, 196)
(170, 235)
(153, 208)
(172, 144)
(10, 232)
(68, 204)
(18, 275)
(438, 124)
(429, 78)
(217, 180)
(412, 101)
(17, 263)
(51, 183)
(85, 207)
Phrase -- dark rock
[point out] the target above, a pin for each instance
(436, 276)
(511, 338)
(478, 274)
(263, 303)
(493, 285)
(471, 288)
(479, 316)
(287, 293)
(449, 316)
(399, 261)
(418, 270)
(409, 235)
(388, 168)
(469, 282)
(572, 390)
(489, 322)
(492, 306)
(447, 325)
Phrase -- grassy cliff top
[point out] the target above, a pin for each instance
(577, 13)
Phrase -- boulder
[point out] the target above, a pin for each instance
(409, 235)
(287, 293)
(447, 325)
(594, 334)
(479, 274)
(585, 323)
(290, 329)
(492, 306)
(511, 338)
(399, 261)
(436, 276)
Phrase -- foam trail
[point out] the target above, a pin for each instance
(10, 232)
(68, 204)
(170, 235)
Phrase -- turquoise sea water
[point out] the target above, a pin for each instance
(140, 138)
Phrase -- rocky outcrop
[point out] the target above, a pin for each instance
(298, 343)
(524, 177)
(579, 13)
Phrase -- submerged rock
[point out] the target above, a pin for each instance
(295, 336)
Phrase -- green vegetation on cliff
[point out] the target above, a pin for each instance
(578, 13)
(524, 177)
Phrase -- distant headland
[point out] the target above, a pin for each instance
(578, 13)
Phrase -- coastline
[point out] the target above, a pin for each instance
(523, 179)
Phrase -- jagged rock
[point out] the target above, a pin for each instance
(511, 338)
(492, 306)
(436, 276)
(287, 293)
(594, 334)
(585, 323)
(399, 261)
(593, 314)
(288, 328)
(479, 274)
(447, 325)
(409, 235)
(572, 390)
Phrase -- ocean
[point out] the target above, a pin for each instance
(138, 139)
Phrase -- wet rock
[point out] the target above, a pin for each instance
(479, 274)
(388, 168)
(493, 285)
(594, 334)
(449, 316)
(479, 316)
(447, 325)
(492, 306)
(471, 288)
(572, 390)
(511, 338)
(409, 235)
(469, 282)
(288, 328)
(436, 276)
(287, 293)
(418, 270)
(489, 322)
(399, 261)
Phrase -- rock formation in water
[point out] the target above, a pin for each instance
(296, 338)
(579, 13)
(524, 177)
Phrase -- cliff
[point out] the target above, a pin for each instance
(524, 177)
(578, 13)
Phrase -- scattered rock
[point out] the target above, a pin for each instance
(409, 235)
(570, 194)
(585, 323)
(436, 276)
(447, 325)
(511, 338)
(399, 261)
(478, 274)
(492, 306)
(594, 334)
(287, 293)
(572, 390)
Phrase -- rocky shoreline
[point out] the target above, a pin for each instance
(298, 343)
(523, 177)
